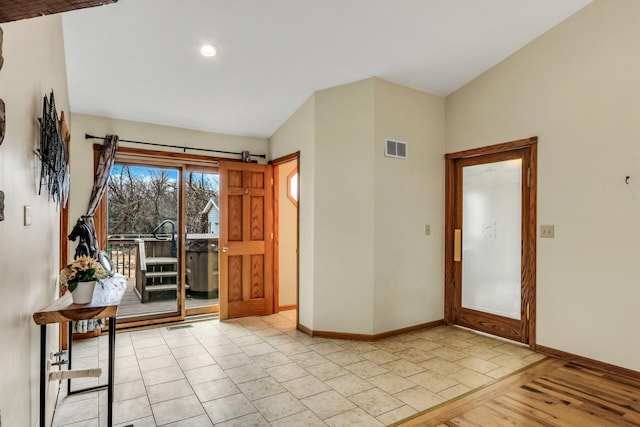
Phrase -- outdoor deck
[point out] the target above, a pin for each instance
(131, 305)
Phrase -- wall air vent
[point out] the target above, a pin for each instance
(395, 149)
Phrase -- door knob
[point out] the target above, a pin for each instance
(225, 249)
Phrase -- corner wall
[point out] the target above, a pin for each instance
(577, 89)
(33, 65)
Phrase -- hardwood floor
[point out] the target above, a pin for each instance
(552, 393)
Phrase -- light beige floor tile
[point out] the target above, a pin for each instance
(535, 357)
(216, 340)
(419, 398)
(483, 341)
(204, 374)
(380, 356)
(509, 361)
(243, 374)
(456, 345)
(376, 402)
(181, 341)
(424, 345)
(148, 342)
(251, 420)
(328, 404)
(228, 408)
(477, 364)
(122, 376)
(470, 378)
(271, 360)
(168, 391)
(93, 422)
(366, 369)
(414, 355)
(353, 417)
(278, 340)
(287, 372)
(432, 381)
(247, 340)
(141, 422)
(258, 349)
(215, 389)
(306, 419)
(326, 371)
(129, 410)
(500, 372)
(233, 361)
(404, 368)
(448, 354)
(189, 351)
(157, 363)
(128, 390)
(279, 406)
(305, 386)
(129, 361)
(77, 411)
(293, 348)
(276, 329)
(514, 350)
(391, 345)
(396, 415)
(310, 358)
(219, 350)
(263, 387)
(344, 358)
(199, 421)
(325, 348)
(162, 375)
(177, 409)
(441, 366)
(155, 351)
(482, 352)
(197, 361)
(358, 346)
(454, 391)
(391, 383)
(349, 384)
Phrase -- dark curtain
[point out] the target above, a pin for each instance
(85, 228)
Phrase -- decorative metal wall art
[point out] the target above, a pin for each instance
(2, 121)
(54, 153)
(1, 205)
(1, 58)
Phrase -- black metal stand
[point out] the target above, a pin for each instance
(111, 375)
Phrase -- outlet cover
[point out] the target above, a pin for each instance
(547, 231)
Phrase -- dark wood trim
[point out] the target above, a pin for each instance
(287, 307)
(492, 149)
(531, 244)
(211, 309)
(304, 329)
(15, 11)
(276, 238)
(449, 221)
(369, 337)
(285, 159)
(590, 363)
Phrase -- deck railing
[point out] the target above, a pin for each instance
(122, 252)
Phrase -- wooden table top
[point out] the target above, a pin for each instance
(63, 310)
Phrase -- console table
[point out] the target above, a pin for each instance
(63, 310)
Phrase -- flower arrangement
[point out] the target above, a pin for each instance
(83, 269)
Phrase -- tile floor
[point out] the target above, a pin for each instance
(260, 371)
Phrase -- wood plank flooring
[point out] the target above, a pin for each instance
(131, 305)
(551, 393)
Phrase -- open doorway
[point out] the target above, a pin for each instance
(286, 219)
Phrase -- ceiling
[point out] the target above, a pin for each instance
(139, 59)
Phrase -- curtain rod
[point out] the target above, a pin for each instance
(262, 156)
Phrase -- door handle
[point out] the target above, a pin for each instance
(457, 244)
(225, 249)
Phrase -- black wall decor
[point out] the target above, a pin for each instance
(53, 153)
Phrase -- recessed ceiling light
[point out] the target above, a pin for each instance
(208, 50)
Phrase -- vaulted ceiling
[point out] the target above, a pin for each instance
(140, 59)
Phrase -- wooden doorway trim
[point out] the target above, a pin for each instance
(276, 232)
(529, 240)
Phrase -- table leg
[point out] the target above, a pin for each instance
(112, 349)
(69, 348)
(43, 374)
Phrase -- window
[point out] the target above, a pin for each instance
(292, 186)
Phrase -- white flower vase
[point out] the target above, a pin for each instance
(83, 293)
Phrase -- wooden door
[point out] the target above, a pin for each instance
(491, 241)
(246, 240)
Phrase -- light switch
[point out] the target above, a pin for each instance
(547, 231)
(27, 215)
(427, 230)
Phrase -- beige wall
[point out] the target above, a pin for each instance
(577, 89)
(34, 64)
(408, 265)
(288, 238)
(298, 134)
(82, 150)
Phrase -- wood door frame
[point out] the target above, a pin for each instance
(276, 233)
(529, 227)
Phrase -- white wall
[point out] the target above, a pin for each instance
(298, 134)
(34, 64)
(82, 150)
(408, 265)
(577, 89)
(344, 203)
(288, 239)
